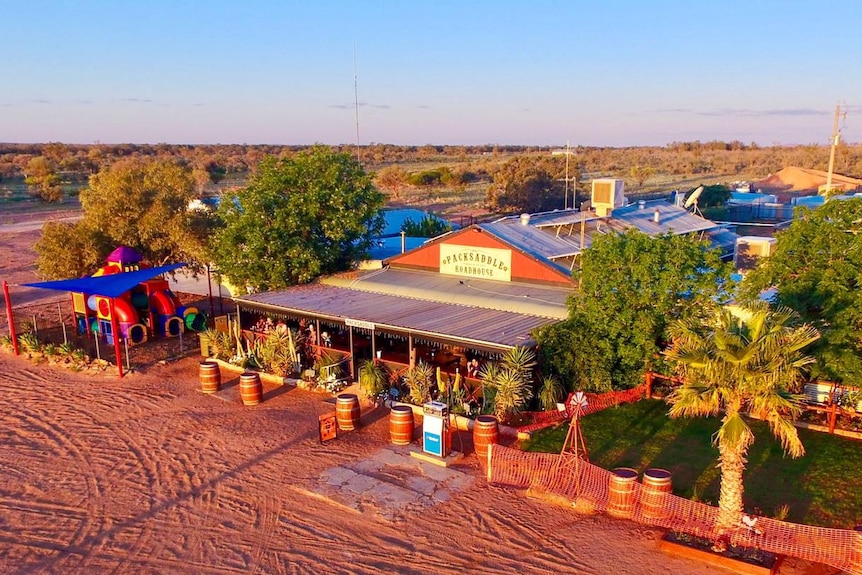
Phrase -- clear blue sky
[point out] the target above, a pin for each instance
(533, 72)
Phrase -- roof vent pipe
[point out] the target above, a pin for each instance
(641, 204)
(525, 219)
(656, 216)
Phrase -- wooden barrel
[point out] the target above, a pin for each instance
(347, 411)
(621, 489)
(401, 424)
(654, 496)
(250, 388)
(485, 432)
(210, 377)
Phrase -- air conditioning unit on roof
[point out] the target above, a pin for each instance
(749, 249)
(607, 195)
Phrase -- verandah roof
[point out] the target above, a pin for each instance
(462, 324)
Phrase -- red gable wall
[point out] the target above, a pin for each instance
(524, 267)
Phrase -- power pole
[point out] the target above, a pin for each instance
(568, 153)
(836, 135)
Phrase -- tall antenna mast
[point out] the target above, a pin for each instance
(836, 135)
(568, 153)
(356, 99)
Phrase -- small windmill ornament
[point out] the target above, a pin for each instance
(574, 449)
(574, 443)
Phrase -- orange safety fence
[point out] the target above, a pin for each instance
(591, 486)
(595, 402)
(540, 420)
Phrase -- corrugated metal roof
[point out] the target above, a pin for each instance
(672, 219)
(531, 299)
(532, 240)
(462, 323)
(557, 234)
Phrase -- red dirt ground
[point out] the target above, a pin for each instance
(146, 474)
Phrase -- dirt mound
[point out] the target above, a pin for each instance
(793, 179)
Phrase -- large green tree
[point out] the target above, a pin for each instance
(299, 217)
(138, 203)
(816, 270)
(741, 359)
(630, 287)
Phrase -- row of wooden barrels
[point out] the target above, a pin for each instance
(655, 492)
(401, 426)
(347, 411)
(250, 387)
(251, 392)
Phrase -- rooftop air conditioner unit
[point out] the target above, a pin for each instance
(749, 249)
(607, 195)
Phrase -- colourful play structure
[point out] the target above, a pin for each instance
(149, 309)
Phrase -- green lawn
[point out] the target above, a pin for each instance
(824, 487)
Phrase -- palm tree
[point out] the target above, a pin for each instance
(745, 359)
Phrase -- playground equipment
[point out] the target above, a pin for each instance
(149, 309)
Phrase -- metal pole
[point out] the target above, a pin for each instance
(115, 330)
(35, 326)
(96, 338)
(566, 196)
(210, 290)
(181, 339)
(62, 323)
(352, 352)
(126, 345)
(10, 317)
(411, 351)
(835, 137)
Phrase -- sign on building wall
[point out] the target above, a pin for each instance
(359, 323)
(473, 262)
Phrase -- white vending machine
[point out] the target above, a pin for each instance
(435, 428)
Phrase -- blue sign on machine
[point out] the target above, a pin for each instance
(434, 427)
(433, 443)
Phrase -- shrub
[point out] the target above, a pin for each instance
(550, 393)
(373, 378)
(29, 342)
(419, 381)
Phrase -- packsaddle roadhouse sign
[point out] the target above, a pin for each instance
(473, 262)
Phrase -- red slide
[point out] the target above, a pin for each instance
(125, 311)
(162, 303)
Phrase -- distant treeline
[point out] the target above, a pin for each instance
(449, 165)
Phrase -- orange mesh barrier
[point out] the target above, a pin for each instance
(595, 402)
(599, 401)
(591, 486)
(541, 419)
